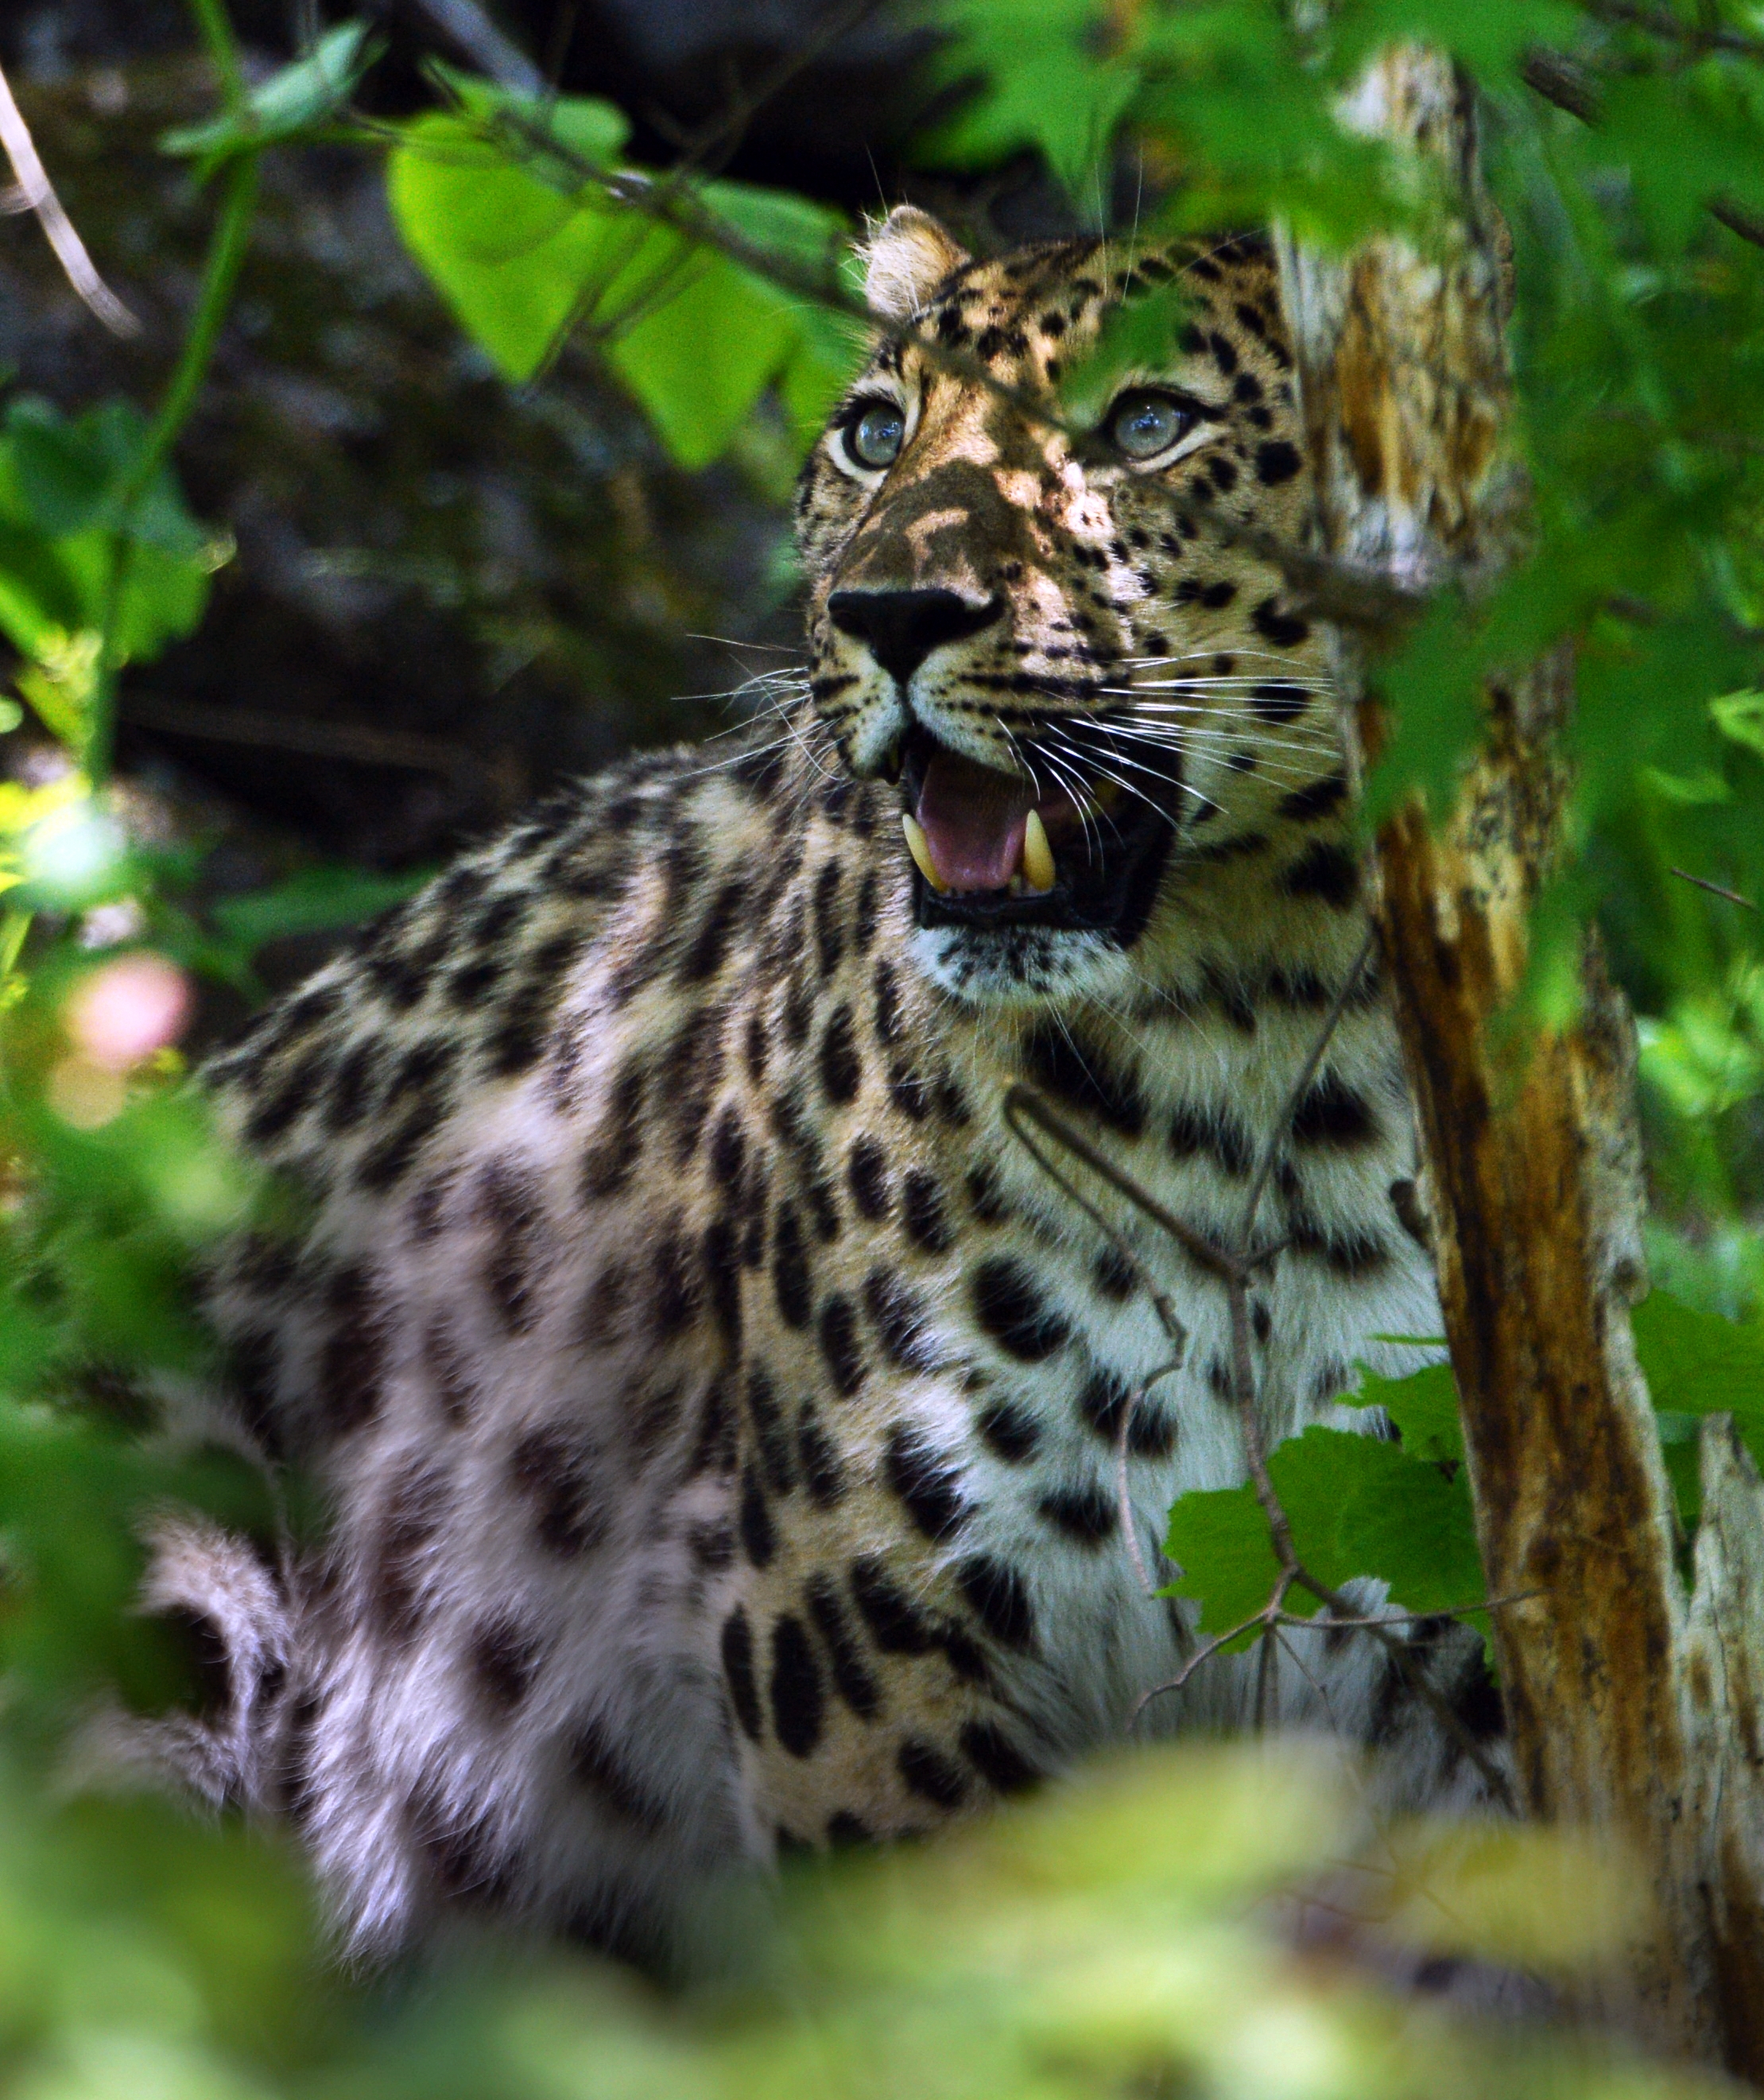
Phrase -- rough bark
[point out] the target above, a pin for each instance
(1633, 1707)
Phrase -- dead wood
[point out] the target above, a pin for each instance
(1634, 1707)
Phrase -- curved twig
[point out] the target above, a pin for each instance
(36, 193)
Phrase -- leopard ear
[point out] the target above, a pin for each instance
(906, 258)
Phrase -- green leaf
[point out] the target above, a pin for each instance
(61, 485)
(1137, 341)
(695, 400)
(65, 473)
(1423, 1408)
(301, 97)
(1740, 715)
(696, 337)
(1358, 1506)
(509, 254)
(1435, 683)
(73, 475)
(1692, 790)
(315, 900)
(1489, 35)
(1049, 84)
(585, 129)
(1698, 1364)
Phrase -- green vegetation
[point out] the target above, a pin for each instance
(1101, 1942)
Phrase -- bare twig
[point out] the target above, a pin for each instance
(1301, 1085)
(1022, 1102)
(1022, 1105)
(1748, 225)
(35, 192)
(1561, 80)
(246, 725)
(1714, 889)
(1569, 85)
(1661, 22)
(1273, 1613)
(710, 145)
(1205, 1653)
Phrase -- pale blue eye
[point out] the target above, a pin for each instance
(877, 435)
(1143, 424)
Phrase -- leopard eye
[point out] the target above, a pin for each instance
(1143, 424)
(874, 436)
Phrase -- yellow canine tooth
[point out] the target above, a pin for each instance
(1038, 855)
(921, 852)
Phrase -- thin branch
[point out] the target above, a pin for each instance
(1371, 1619)
(1021, 1100)
(711, 146)
(1019, 1104)
(1123, 1493)
(1301, 1085)
(1567, 84)
(220, 274)
(1714, 889)
(1661, 22)
(1562, 81)
(1273, 1613)
(36, 193)
(247, 726)
(1204, 1653)
(1738, 219)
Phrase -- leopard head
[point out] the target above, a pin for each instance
(1057, 639)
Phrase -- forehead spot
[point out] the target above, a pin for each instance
(922, 531)
(1017, 486)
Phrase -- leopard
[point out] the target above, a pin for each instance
(735, 1433)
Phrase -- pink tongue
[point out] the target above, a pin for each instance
(972, 819)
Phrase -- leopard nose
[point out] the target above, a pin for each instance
(901, 627)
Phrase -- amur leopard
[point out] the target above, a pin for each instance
(716, 1406)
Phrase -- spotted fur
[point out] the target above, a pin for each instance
(717, 1410)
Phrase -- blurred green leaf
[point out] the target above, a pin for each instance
(1137, 340)
(1423, 1411)
(1051, 83)
(1740, 715)
(63, 482)
(299, 98)
(315, 900)
(1698, 1364)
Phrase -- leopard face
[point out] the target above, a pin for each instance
(1082, 686)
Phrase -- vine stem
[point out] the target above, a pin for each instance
(220, 275)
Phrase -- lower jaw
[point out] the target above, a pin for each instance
(1111, 897)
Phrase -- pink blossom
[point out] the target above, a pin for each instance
(121, 1013)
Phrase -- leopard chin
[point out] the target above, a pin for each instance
(1022, 966)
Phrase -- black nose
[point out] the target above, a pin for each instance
(901, 628)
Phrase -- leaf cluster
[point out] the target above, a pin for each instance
(1399, 1512)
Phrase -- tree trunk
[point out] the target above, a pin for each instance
(1632, 1707)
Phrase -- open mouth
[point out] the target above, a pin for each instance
(991, 851)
